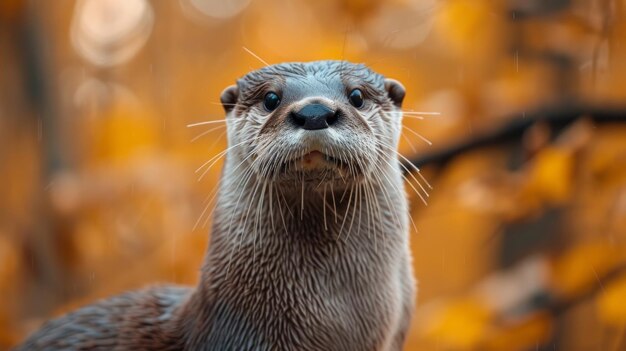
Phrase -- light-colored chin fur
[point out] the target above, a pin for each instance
(308, 267)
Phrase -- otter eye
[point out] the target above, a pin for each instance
(271, 101)
(356, 98)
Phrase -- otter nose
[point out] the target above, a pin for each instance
(314, 116)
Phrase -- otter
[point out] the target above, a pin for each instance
(309, 245)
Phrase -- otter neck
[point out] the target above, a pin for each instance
(265, 239)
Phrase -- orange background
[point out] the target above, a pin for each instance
(521, 245)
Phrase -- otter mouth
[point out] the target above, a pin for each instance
(314, 160)
(315, 166)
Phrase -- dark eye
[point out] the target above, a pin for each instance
(271, 101)
(356, 98)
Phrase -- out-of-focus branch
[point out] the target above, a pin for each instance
(560, 306)
(44, 239)
(556, 117)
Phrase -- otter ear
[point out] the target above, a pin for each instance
(229, 98)
(395, 91)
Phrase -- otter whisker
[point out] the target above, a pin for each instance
(242, 184)
(221, 153)
(272, 165)
(351, 165)
(390, 183)
(417, 181)
(217, 140)
(357, 201)
(324, 199)
(302, 199)
(278, 166)
(410, 143)
(322, 181)
(330, 208)
(341, 173)
(205, 123)
(222, 103)
(257, 222)
(280, 191)
(207, 132)
(386, 193)
(345, 191)
(343, 50)
(421, 113)
(380, 214)
(282, 160)
(271, 202)
(262, 150)
(279, 161)
(291, 165)
(229, 230)
(251, 201)
(416, 191)
(332, 192)
(208, 216)
(359, 166)
(255, 56)
(345, 215)
(215, 192)
(280, 209)
(411, 174)
(410, 219)
(418, 135)
(419, 173)
(377, 214)
(242, 181)
(208, 200)
(368, 204)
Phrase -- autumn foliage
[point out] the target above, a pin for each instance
(522, 243)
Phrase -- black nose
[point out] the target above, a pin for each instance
(314, 116)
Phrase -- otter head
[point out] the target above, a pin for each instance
(323, 121)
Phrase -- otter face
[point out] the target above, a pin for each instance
(314, 122)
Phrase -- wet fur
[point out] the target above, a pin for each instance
(293, 264)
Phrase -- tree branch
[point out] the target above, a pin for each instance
(557, 117)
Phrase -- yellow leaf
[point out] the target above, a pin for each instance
(583, 266)
(521, 335)
(550, 177)
(461, 324)
(610, 303)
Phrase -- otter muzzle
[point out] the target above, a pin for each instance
(314, 116)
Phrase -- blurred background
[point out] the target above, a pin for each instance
(522, 245)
